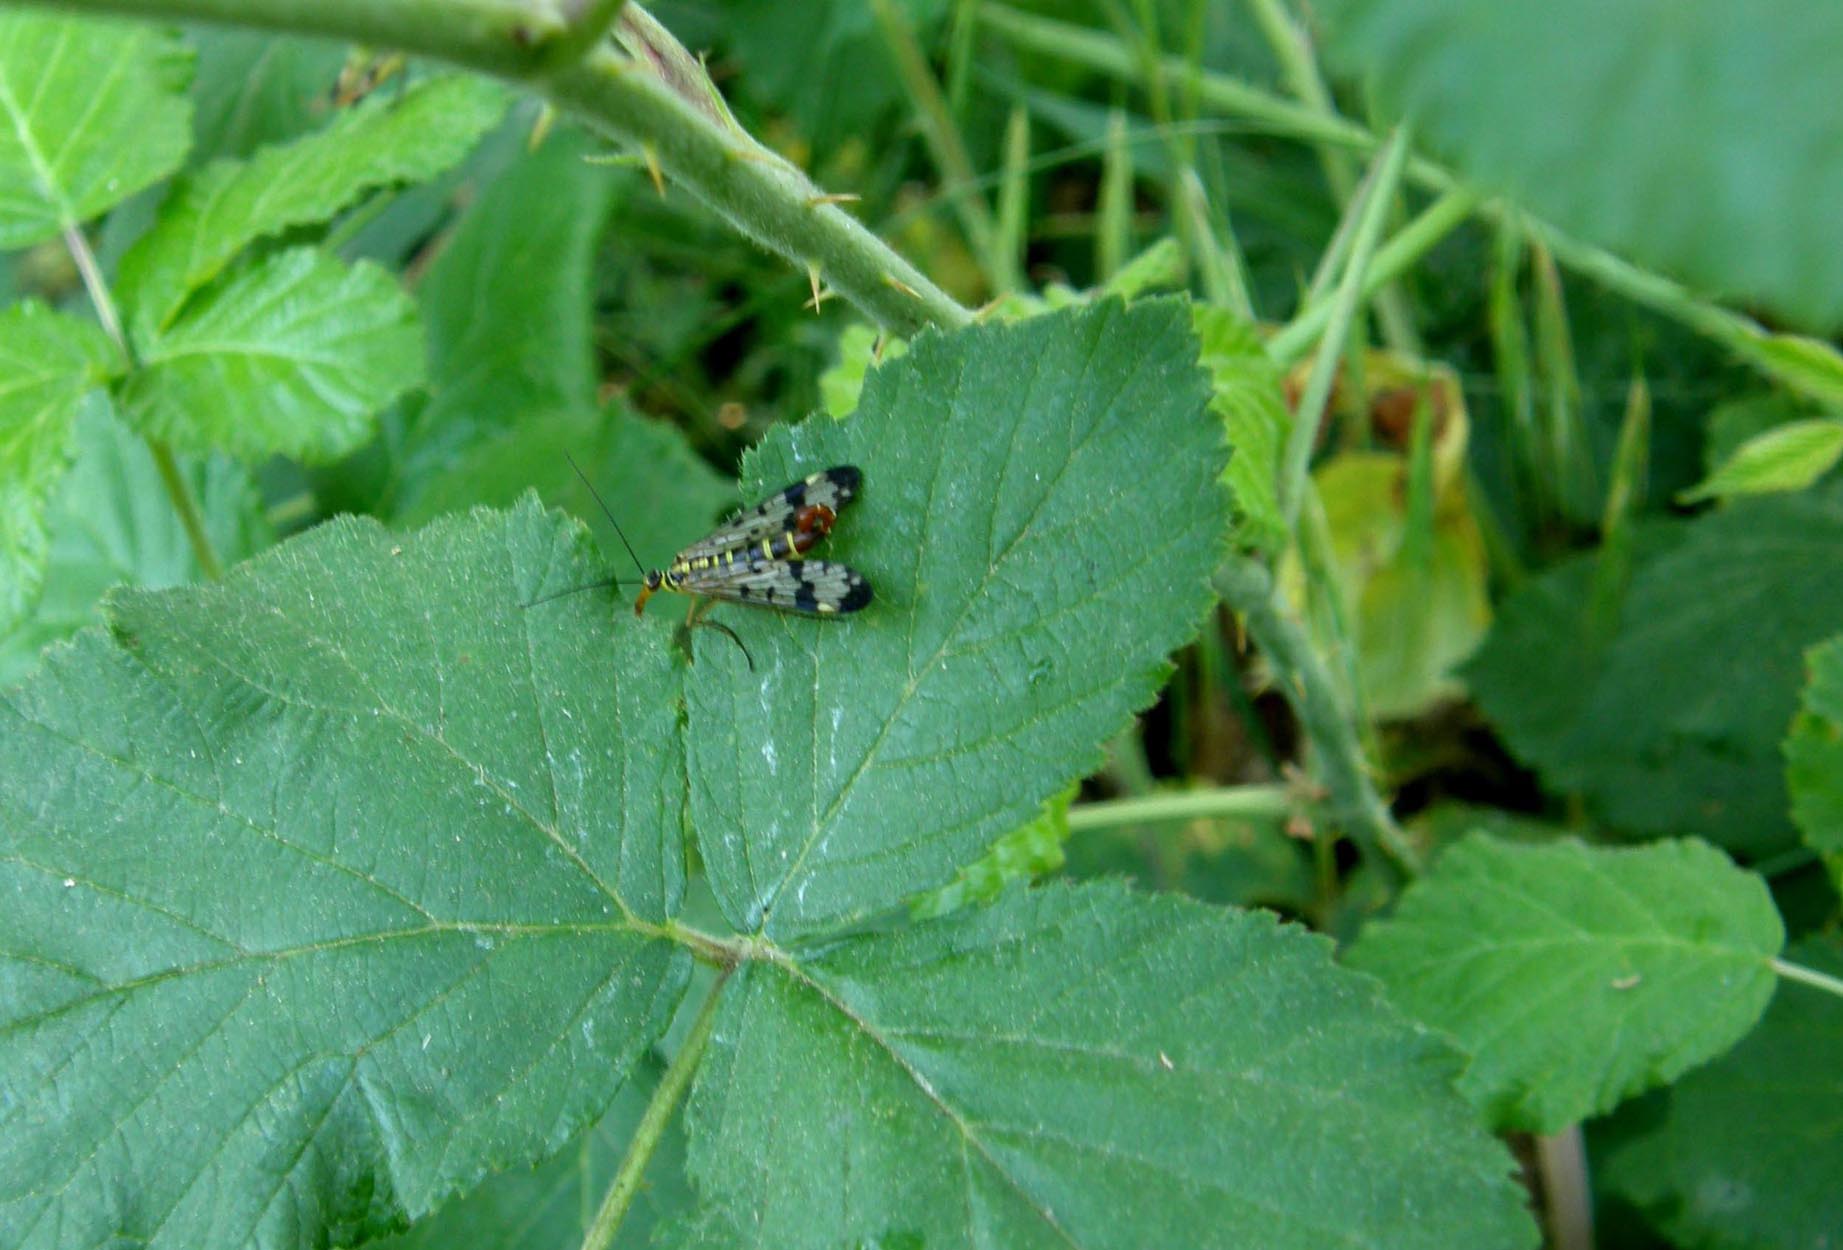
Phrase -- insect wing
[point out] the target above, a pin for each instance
(812, 587)
(823, 493)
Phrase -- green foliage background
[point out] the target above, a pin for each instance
(1395, 492)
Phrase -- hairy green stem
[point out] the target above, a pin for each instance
(665, 1100)
(177, 492)
(1373, 206)
(1247, 587)
(1230, 801)
(634, 101)
(1809, 976)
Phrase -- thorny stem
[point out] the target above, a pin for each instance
(629, 98)
(1302, 678)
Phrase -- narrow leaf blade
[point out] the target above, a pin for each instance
(1787, 458)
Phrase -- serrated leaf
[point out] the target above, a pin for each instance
(1788, 457)
(509, 308)
(329, 887)
(1040, 516)
(48, 362)
(1674, 725)
(1576, 976)
(1814, 756)
(90, 112)
(111, 523)
(1749, 1148)
(1694, 168)
(385, 140)
(1247, 396)
(294, 356)
(1087, 1067)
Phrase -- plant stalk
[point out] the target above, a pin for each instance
(752, 188)
(672, 1086)
(1247, 587)
(177, 492)
(1373, 206)
(1225, 802)
(1809, 976)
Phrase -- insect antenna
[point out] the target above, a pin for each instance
(606, 581)
(606, 512)
(576, 590)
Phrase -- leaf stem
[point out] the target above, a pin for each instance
(187, 508)
(1809, 976)
(1182, 805)
(751, 187)
(671, 1088)
(1372, 207)
(1302, 678)
(171, 478)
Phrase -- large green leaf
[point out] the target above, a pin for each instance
(1576, 976)
(216, 213)
(1087, 1067)
(112, 523)
(1814, 756)
(509, 309)
(90, 112)
(1040, 516)
(1673, 723)
(1749, 1149)
(1712, 128)
(294, 356)
(329, 887)
(48, 362)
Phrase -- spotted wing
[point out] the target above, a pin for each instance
(830, 489)
(814, 587)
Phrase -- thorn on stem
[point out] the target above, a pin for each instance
(652, 168)
(832, 197)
